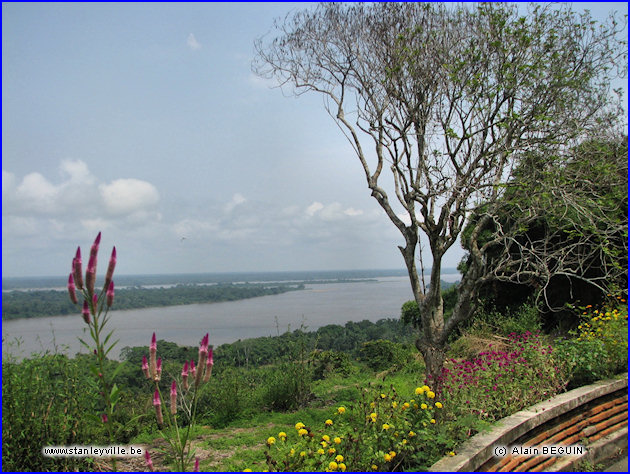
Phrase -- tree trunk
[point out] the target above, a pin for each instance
(434, 356)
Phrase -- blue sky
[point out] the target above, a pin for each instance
(145, 121)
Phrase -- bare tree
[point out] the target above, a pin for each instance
(447, 100)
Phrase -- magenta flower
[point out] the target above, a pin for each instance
(158, 369)
(110, 294)
(104, 418)
(209, 364)
(145, 367)
(196, 465)
(157, 403)
(185, 376)
(203, 356)
(147, 458)
(90, 274)
(173, 398)
(152, 356)
(72, 289)
(77, 269)
(110, 268)
(86, 312)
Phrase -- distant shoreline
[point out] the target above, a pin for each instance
(58, 282)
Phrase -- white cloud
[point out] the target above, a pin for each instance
(237, 199)
(36, 193)
(128, 196)
(353, 212)
(314, 208)
(192, 42)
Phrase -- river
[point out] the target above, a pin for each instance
(313, 307)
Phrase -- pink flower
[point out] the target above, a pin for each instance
(157, 403)
(203, 356)
(209, 364)
(185, 376)
(86, 312)
(77, 270)
(173, 398)
(196, 465)
(159, 369)
(104, 418)
(152, 357)
(193, 370)
(145, 367)
(147, 458)
(110, 268)
(110, 294)
(72, 289)
(94, 304)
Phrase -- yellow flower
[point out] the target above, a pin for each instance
(341, 410)
(302, 454)
(372, 404)
(415, 405)
(332, 450)
(299, 426)
(302, 432)
(419, 391)
(320, 451)
(404, 441)
(324, 444)
(342, 466)
(432, 420)
(271, 440)
(385, 426)
(425, 388)
(383, 395)
(387, 458)
(326, 438)
(424, 406)
(282, 435)
(337, 440)
(411, 434)
(430, 394)
(406, 405)
(451, 453)
(328, 422)
(373, 417)
(339, 458)
(247, 470)
(394, 404)
(438, 405)
(374, 467)
(392, 454)
(333, 466)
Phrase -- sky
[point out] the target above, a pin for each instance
(144, 121)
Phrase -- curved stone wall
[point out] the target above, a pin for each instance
(579, 424)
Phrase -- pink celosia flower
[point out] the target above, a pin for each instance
(94, 303)
(110, 268)
(72, 289)
(90, 274)
(104, 418)
(158, 369)
(196, 465)
(110, 294)
(193, 370)
(86, 312)
(152, 357)
(173, 398)
(157, 403)
(203, 356)
(185, 375)
(77, 269)
(209, 364)
(145, 367)
(147, 458)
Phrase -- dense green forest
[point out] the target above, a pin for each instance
(39, 303)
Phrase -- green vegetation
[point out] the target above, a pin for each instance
(305, 377)
(38, 303)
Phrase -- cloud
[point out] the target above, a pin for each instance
(192, 42)
(314, 208)
(128, 196)
(237, 199)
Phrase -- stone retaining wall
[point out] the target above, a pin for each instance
(587, 416)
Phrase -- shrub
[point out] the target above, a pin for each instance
(287, 387)
(325, 363)
(599, 347)
(47, 401)
(382, 355)
(383, 431)
(496, 384)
